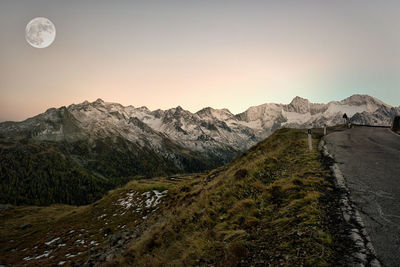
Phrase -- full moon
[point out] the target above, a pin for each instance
(40, 32)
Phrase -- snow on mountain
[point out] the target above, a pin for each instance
(301, 113)
(215, 114)
(209, 131)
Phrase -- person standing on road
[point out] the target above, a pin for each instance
(346, 120)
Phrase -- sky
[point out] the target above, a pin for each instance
(223, 54)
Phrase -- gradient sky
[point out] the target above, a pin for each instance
(223, 54)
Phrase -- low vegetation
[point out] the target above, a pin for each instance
(63, 234)
(263, 208)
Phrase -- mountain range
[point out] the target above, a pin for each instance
(106, 143)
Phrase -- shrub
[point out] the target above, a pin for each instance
(252, 221)
(235, 252)
(276, 194)
(242, 173)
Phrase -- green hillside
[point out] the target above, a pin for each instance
(266, 207)
(42, 173)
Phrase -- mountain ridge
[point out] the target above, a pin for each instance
(202, 131)
(109, 141)
(100, 100)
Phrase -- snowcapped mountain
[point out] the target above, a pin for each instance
(182, 137)
(90, 148)
(301, 113)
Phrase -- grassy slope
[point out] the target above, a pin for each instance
(263, 207)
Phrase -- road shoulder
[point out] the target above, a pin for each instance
(350, 225)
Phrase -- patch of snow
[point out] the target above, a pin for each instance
(69, 255)
(95, 243)
(255, 124)
(155, 199)
(44, 255)
(126, 201)
(350, 110)
(294, 117)
(147, 194)
(101, 216)
(52, 241)
(154, 123)
(80, 241)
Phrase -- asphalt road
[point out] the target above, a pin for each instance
(369, 159)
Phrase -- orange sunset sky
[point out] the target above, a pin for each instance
(223, 54)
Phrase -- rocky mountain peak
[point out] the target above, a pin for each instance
(179, 111)
(359, 99)
(205, 110)
(98, 102)
(227, 132)
(299, 99)
(219, 114)
(144, 109)
(299, 105)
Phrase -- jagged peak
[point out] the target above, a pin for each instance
(176, 109)
(227, 110)
(361, 99)
(50, 110)
(143, 109)
(299, 105)
(205, 109)
(211, 111)
(299, 100)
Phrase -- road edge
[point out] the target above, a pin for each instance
(364, 254)
(395, 133)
